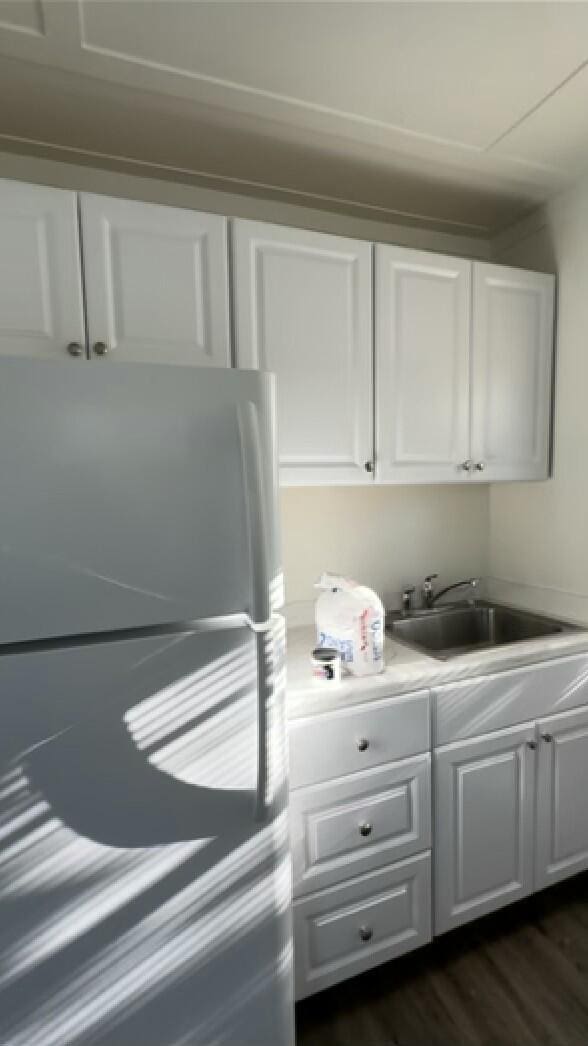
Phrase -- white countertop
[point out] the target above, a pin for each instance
(407, 669)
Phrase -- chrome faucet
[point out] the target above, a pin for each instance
(430, 597)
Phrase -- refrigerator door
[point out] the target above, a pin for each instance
(134, 496)
(141, 899)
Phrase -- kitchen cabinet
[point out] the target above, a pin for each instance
(156, 282)
(303, 309)
(512, 349)
(484, 810)
(422, 321)
(562, 797)
(360, 829)
(41, 311)
(463, 369)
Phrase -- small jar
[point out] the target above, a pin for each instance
(326, 664)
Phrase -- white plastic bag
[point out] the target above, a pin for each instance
(350, 617)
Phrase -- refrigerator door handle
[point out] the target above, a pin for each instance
(263, 697)
(255, 503)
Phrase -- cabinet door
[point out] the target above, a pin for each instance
(484, 824)
(562, 797)
(511, 373)
(156, 283)
(304, 311)
(422, 366)
(40, 273)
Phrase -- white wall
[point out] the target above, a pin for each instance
(385, 537)
(538, 550)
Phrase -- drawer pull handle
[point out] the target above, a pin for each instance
(547, 737)
(365, 829)
(365, 933)
(532, 745)
(363, 744)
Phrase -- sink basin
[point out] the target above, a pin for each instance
(445, 632)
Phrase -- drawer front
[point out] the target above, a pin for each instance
(495, 702)
(342, 828)
(342, 742)
(346, 929)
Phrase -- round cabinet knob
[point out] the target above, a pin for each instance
(365, 933)
(480, 466)
(100, 348)
(532, 745)
(369, 466)
(74, 348)
(466, 466)
(363, 744)
(547, 737)
(365, 829)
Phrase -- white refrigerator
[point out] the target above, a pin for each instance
(144, 865)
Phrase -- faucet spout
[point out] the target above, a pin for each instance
(472, 582)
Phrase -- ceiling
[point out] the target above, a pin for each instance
(462, 116)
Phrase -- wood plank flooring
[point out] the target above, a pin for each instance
(516, 978)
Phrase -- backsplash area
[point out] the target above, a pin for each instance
(385, 537)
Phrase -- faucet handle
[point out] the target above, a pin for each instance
(430, 578)
(407, 594)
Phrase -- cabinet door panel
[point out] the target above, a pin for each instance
(562, 797)
(303, 305)
(422, 366)
(156, 282)
(484, 822)
(511, 372)
(40, 272)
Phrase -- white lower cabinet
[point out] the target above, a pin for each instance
(484, 807)
(562, 797)
(511, 814)
(360, 828)
(345, 929)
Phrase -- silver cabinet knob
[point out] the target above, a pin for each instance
(363, 744)
(365, 829)
(365, 933)
(369, 466)
(480, 466)
(467, 465)
(547, 737)
(532, 745)
(100, 348)
(74, 348)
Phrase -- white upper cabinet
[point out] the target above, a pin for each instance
(422, 366)
(41, 311)
(512, 352)
(156, 282)
(303, 309)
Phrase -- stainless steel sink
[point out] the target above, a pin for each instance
(447, 631)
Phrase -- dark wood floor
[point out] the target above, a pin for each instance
(517, 978)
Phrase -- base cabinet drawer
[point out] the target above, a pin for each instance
(357, 823)
(346, 929)
(337, 743)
